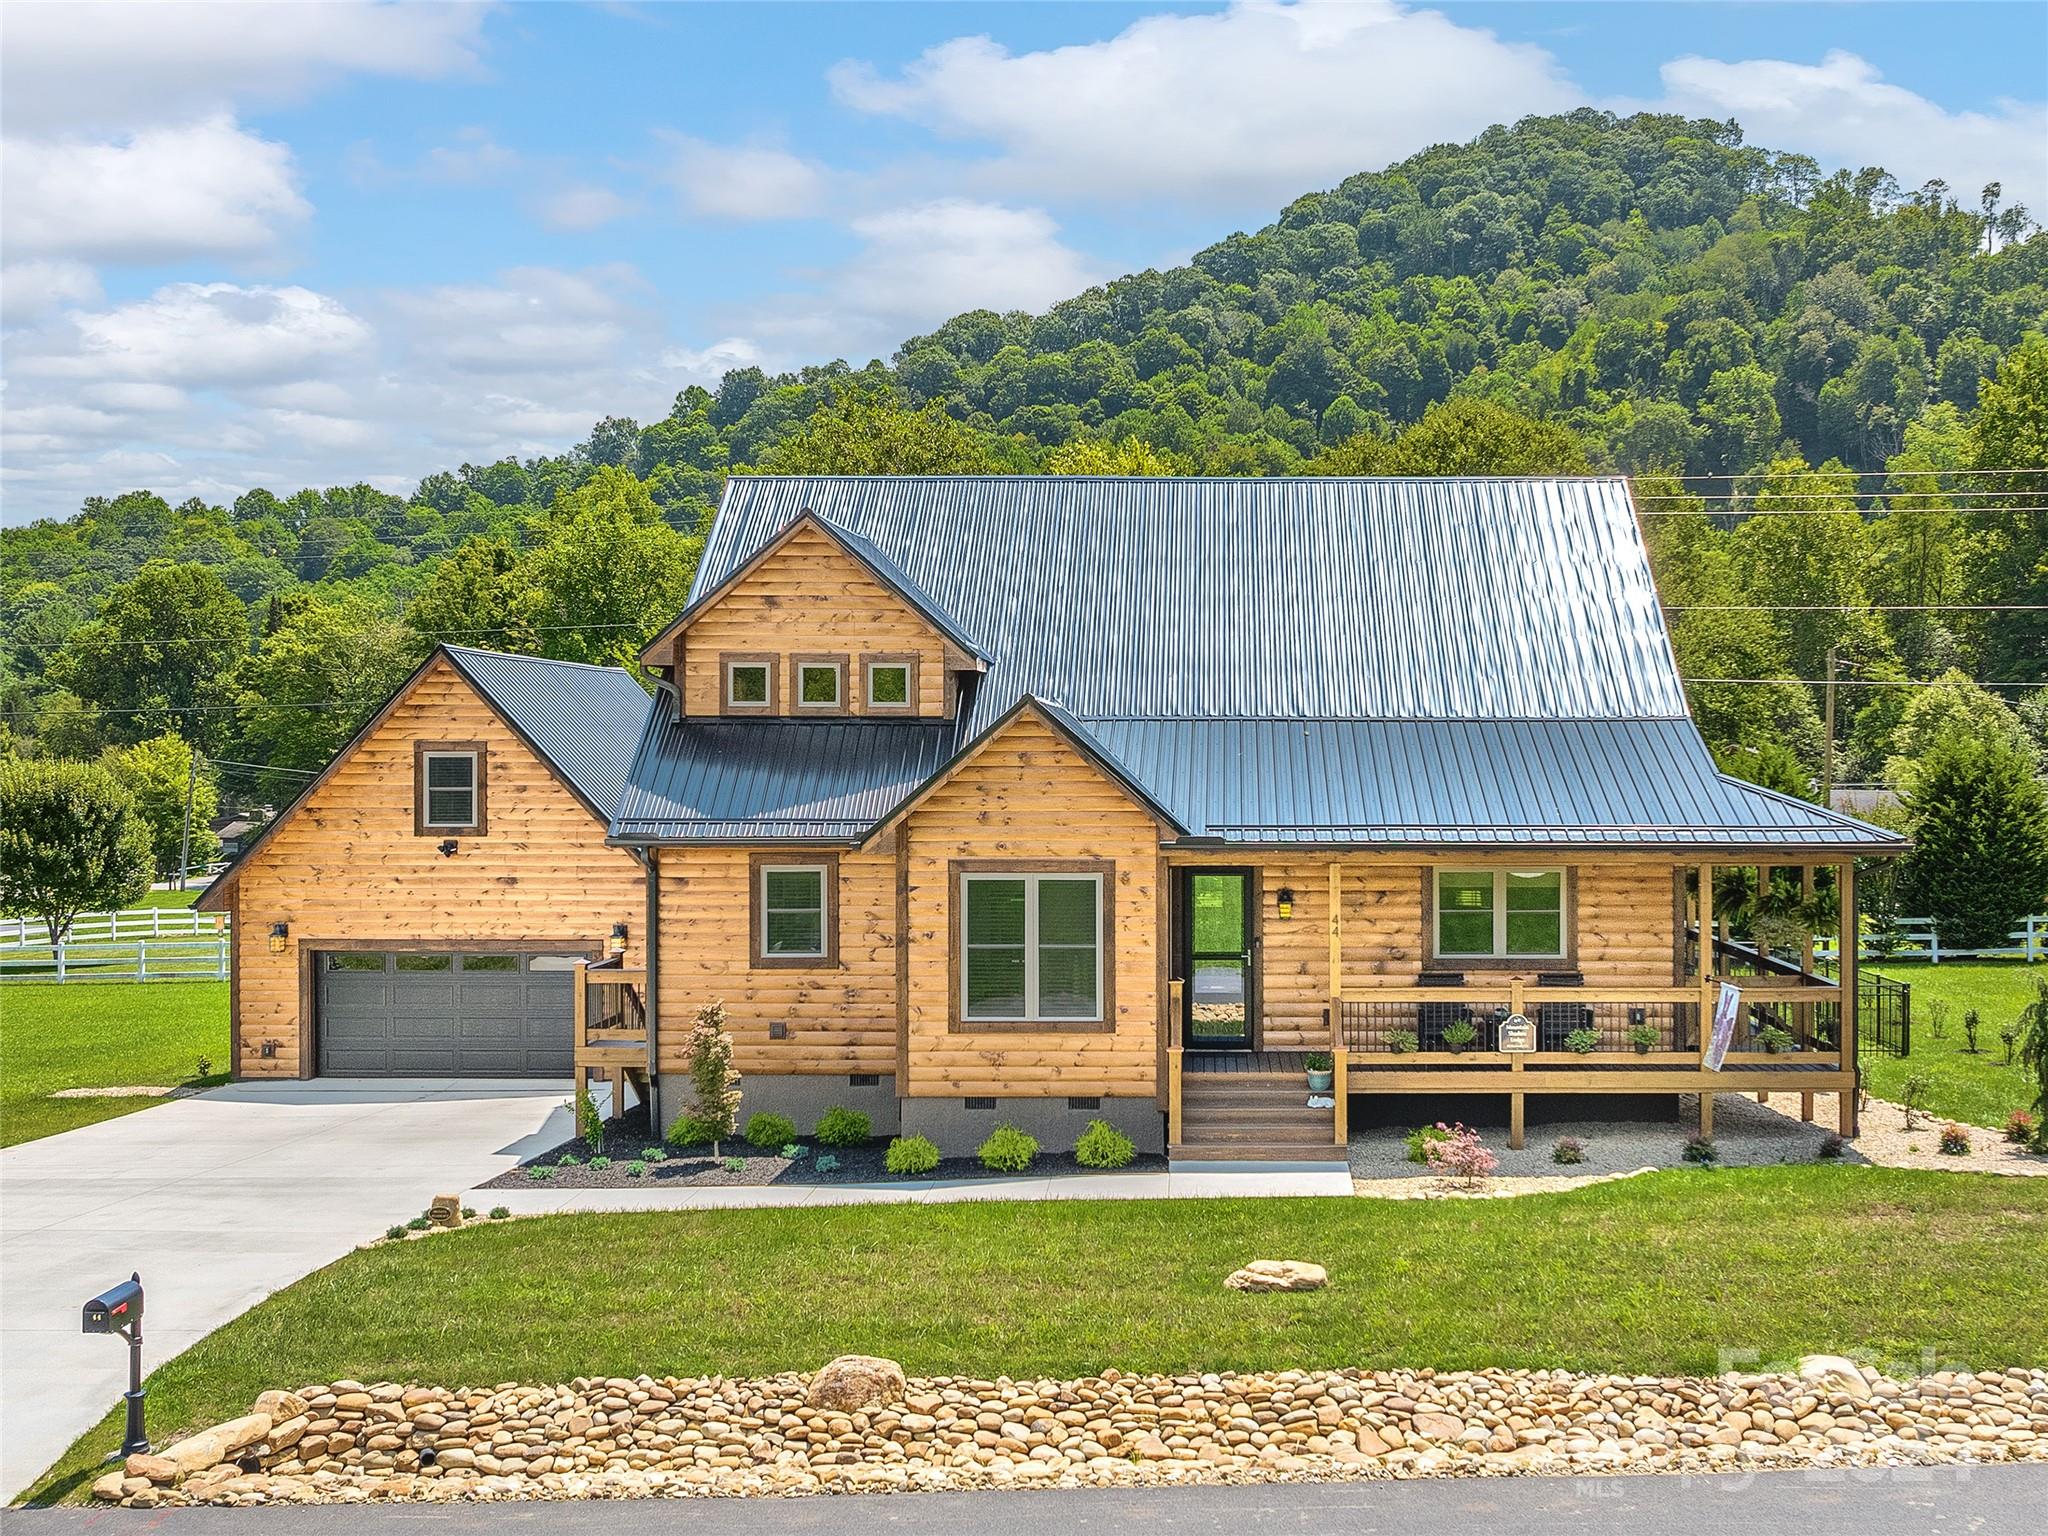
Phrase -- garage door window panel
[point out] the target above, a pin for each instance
(450, 788)
(444, 1013)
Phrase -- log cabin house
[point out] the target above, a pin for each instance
(1046, 799)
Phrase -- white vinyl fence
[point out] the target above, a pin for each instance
(141, 944)
(1919, 939)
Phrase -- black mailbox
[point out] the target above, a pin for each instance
(114, 1309)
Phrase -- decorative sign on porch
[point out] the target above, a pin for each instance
(1727, 1009)
(1517, 1034)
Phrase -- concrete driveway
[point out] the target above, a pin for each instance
(218, 1200)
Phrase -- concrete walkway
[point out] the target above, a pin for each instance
(218, 1200)
(1178, 1184)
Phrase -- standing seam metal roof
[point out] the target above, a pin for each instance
(585, 720)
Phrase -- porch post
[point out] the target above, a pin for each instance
(1706, 1112)
(1848, 945)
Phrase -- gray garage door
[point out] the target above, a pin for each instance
(442, 1014)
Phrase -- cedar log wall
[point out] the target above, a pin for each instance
(347, 865)
(808, 599)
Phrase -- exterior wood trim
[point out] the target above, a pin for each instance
(798, 709)
(906, 659)
(757, 959)
(480, 825)
(902, 960)
(1568, 961)
(727, 660)
(235, 981)
(1105, 959)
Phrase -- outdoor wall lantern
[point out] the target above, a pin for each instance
(617, 946)
(279, 932)
(448, 845)
(1286, 902)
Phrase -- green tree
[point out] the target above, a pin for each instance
(1478, 437)
(2006, 561)
(1980, 838)
(71, 841)
(864, 431)
(464, 599)
(1090, 456)
(158, 773)
(151, 659)
(1771, 765)
(1952, 705)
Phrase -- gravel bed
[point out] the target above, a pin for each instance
(1746, 1134)
(696, 1168)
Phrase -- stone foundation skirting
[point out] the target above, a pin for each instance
(640, 1437)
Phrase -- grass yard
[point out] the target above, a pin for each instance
(183, 898)
(88, 1035)
(1657, 1274)
(1979, 1089)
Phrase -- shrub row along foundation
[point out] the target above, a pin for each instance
(858, 1426)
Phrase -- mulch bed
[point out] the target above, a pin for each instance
(695, 1167)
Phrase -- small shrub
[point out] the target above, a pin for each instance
(1459, 1033)
(1701, 1150)
(1419, 1139)
(1937, 1019)
(1585, 1040)
(394, 1233)
(1008, 1150)
(469, 1213)
(1955, 1139)
(1971, 1024)
(1913, 1096)
(653, 1154)
(909, 1155)
(599, 1164)
(501, 1213)
(841, 1127)
(589, 1123)
(635, 1169)
(540, 1173)
(794, 1150)
(1569, 1149)
(1831, 1147)
(691, 1130)
(568, 1160)
(1460, 1153)
(1102, 1145)
(825, 1162)
(2019, 1127)
(1403, 1042)
(768, 1131)
(206, 1066)
(2009, 1037)
(735, 1165)
(418, 1224)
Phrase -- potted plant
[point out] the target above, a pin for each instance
(1458, 1034)
(1642, 1036)
(1402, 1042)
(1322, 1072)
(1775, 1038)
(1584, 1040)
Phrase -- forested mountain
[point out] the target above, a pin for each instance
(1647, 294)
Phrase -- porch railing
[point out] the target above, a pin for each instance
(611, 1013)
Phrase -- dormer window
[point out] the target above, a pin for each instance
(891, 683)
(749, 684)
(820, 682)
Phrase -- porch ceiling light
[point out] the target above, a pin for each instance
(279, 932)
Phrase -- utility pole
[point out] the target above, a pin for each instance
(1827, 732)
(191, 789)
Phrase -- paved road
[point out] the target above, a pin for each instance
(1896, 1503)
(218, 1200)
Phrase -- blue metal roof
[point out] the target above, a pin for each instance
(754, 780)
(584, 720)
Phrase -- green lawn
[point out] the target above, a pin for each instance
(1979, 1089)
(183, 898)
(93, 1035)
(1656, 1274)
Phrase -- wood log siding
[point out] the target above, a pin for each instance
(348, 866)
(808, 598)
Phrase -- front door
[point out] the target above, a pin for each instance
(1217, 910)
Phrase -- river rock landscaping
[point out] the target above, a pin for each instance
(638, 1437)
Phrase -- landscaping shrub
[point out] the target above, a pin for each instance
(540, 1173)
(394, 1233)
(418, 1224)
(909, 1155)
(690, 1130)
(568, 1160)
(794, 1150)
(1585, 1040)
(1460, 1153)
(1831, 1147)
(636, 1169)
(766, 1130)
(1955, 1139)
(714, 1081)
(2019, 1127)
(501, 1212)
(2009, 1037)
(1008, 1150)
(653, 1154)
(826, 1163)
(735, 1165)
(1971, 1024)
(1102, 1145)
(1701, 1150)
(1913, 1096)
(468, 1213)
(589, 1123)
(599, 1164)
(841, 1127)
(1420, 1138)
(1569, 1149)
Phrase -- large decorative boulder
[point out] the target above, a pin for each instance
(1279, 1275)
(856, 1381)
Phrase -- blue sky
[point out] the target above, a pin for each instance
(299, 244)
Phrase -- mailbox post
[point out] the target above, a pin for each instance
(119, 1310)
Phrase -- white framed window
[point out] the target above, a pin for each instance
(746, 684)
(819, 684)
(1031, 947)
(792, 900)
(888, 685)
(448, 789)
(1500, 914)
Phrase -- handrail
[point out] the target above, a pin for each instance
(1498, 992)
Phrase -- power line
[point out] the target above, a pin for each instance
(1859, 682)
(1857, 607)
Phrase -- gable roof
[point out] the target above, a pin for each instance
(581, 721)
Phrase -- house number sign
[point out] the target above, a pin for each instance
(1517, 1034)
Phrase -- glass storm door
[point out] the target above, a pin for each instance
(1216, 947)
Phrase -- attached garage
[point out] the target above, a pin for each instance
(443, 1013)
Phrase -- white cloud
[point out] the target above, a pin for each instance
(209, 188)
(531, 318)
(1843, 111)
(31, 289)
(742, 181)
(474, 158)
(113, 66)
(208, 335)
(1255, 104)
(579, 206)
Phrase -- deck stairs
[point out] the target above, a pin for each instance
(1252, 1108)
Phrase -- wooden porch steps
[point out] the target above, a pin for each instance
(1253, 1117)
